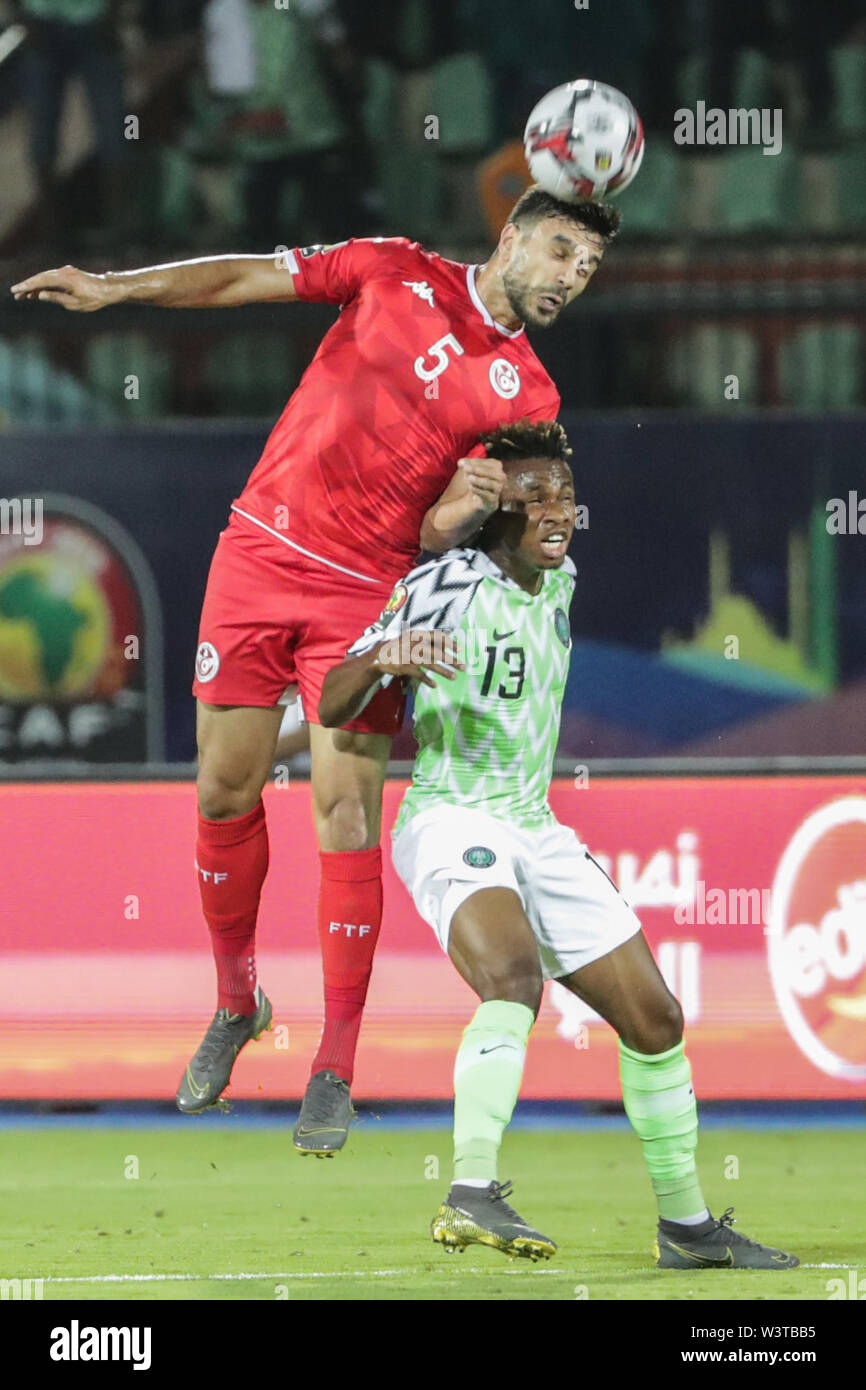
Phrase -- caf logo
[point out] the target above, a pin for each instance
(479, 857)
(560, 623)
(397, 599)
(816, 943)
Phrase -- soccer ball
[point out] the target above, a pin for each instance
(583, 140)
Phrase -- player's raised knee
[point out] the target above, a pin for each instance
(659, 1028)
(517, 982)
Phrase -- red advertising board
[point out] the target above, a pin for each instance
(752, 893)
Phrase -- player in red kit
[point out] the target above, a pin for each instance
(375, 454)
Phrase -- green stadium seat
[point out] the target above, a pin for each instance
(406, 164)
(848, 68)
(415, 33)
(820, 367)
(709, 354)
(851, 175)
(704, 356)
(690, 82)
(462, 98)
(649, 205)
(379, 107)
(112, 358)
(758, 192)
(251, 374)
(411, 186)
(35, 392)
(751, 79)
(819, 195)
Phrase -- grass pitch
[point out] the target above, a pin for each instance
(216, 1211)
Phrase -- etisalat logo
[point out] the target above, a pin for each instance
(817, 940)
(77, 1343)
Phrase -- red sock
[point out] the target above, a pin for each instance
(350, 914)
(231, 862)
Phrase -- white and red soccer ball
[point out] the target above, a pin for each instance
(583, 140)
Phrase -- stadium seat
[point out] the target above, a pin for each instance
(415, 33)
(250, 374)
(410, 180)
(702, 357)
(757, 192)
(35, 392)
(650, 204)
(750, 83)
(751, 79)
(111, 359)
(821, 367)
(820, 203)
(690, 82)
(851, 174)
(848, 67)
(461, 96)
(406, 164)
(379, 107)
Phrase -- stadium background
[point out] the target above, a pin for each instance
(714, 730)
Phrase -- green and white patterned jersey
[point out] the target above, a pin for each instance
(486, 739)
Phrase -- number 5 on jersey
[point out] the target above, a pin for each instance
(439, 351)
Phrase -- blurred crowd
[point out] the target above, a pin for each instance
(285, 120)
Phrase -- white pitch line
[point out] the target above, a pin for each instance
(294, 1274)
(324, 1274)
(828, 1266)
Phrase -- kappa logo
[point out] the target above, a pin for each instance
(422, 289)
(207, 662)
(504, 378)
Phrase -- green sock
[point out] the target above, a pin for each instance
(659, 1101)
(487, 1075)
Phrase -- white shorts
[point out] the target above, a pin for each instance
(446, 854)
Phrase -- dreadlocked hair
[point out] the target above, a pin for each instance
(527, 439)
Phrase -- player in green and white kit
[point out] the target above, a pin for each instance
(512, 895)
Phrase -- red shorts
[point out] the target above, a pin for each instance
(272, 619)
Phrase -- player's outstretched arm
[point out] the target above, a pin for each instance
(413, 653)
(469, 499)
(210, 282)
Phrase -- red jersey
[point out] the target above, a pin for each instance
(403, 384)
